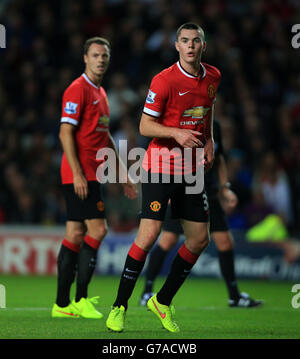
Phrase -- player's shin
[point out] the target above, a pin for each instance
(156, 261)
(86, 265)
(181, 267)
(66, 269)
(226, 261)
(133, 266)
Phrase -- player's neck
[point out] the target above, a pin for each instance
(194, 68)
(96, 80)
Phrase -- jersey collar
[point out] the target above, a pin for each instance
(190, 75)
(89, 81)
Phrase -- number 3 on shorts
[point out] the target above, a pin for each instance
(205, 201)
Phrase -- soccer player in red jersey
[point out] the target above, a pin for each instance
(84, 130)
(178, 113)
(220, 199)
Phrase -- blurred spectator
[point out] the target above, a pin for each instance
(162, 40)
(119, 95)
(273, 184)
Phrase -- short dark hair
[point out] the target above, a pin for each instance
(95, 40)
(190, 26)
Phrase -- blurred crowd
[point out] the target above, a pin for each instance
(258, 103)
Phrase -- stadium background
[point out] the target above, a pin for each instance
(258, 107)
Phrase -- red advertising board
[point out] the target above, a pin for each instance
(29, 253)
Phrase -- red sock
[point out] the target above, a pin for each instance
(72, 246)
(137, 253)
(92, 242)
(188, 255)
(134, 263)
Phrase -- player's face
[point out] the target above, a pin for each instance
(97, 59)
(190, 46)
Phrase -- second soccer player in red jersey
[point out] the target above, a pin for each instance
(84, 130)
(178, 113)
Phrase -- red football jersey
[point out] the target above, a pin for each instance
(179, 99)
(86, 107)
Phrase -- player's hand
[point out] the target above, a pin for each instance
(187, 138)
(209, 154)
(80, 186)
(130, 189)
(229, 199)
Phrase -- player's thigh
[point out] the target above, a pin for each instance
(171, 230)
(190, 207)
(96, 228)
(75, 231)
(148, 232)
(79, 210)
(197, 236)
(223, 240)
(155, 197)
(218, 221)
(93, 206)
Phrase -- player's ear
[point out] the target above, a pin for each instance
(204, 46)
(176, 45)
(85, 58)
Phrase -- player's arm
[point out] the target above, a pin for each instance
(67, 139)
(150, 127)
(129, 186)
(228, 197)
(209, 145)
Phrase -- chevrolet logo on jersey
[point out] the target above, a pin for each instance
(196, 112)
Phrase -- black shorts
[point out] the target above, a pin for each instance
(218, 222)
(155, 197)
(90, 208)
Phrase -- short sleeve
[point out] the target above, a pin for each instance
(156, 97)
(72, 105)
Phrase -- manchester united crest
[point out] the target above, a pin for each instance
(100, 206)
(155, 206)
(211, 91)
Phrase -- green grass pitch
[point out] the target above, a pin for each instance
(201, 311)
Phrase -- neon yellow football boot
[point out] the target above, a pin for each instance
(64, 312)
(270, 228)
(85, 308)
(116, 319)
(164, 313)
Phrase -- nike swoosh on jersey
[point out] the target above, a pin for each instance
(182, 93)
(95, 102)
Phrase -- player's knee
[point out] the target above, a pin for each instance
(147, 241)
(223, 241)
(198, 244)
(98, 233)
(204, 242)
(168, 240)
(148, 233)
(76, 236)
(150, 240)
